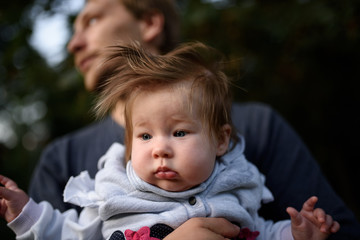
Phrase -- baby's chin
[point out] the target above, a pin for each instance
(173, 187)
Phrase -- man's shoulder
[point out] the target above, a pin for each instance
(85, 133)
(95, 129)
(252, 115)
(251, 109)
(98, 133)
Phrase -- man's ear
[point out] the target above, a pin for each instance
(223, 142)
(152, 26)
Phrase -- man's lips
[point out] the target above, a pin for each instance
(165, 173)
(85, 63)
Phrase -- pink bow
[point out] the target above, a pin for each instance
(247, 234)
(142, 234)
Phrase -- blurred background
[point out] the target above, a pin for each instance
(302, 57)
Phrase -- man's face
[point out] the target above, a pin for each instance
(101, 23)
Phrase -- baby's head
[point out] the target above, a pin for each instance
(180, 94)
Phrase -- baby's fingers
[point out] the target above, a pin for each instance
(329, 225)
(310, 203)
(3, 207)
(296, 218)
(320, 215)
(8, 183)
(7, 194)
(335, 227)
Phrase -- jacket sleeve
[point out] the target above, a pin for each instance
(270, 230)
(41, 221)
(51, 175)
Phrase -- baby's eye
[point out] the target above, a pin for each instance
(146, 136)
(179, 134)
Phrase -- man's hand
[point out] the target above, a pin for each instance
(205, 228)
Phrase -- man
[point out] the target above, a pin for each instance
(291, 172)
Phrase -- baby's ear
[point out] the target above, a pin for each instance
(223, 141)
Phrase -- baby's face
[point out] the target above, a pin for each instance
(169, 146)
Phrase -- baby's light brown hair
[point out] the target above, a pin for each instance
(130, 70)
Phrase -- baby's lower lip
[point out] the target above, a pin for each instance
(168, 175)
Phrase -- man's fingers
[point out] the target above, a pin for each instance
(205, 229)
(220, 226)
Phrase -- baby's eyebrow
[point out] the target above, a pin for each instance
(139, 123)
(184, 119)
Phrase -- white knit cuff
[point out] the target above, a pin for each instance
(27, 218)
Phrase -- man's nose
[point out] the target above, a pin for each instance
(77, 42)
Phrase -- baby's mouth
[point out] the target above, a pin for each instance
(165, 173)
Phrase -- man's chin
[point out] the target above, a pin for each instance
(90, 81)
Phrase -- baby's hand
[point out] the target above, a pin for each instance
(12, 199)
(311, 223)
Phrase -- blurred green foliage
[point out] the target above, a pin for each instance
(301, 57)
